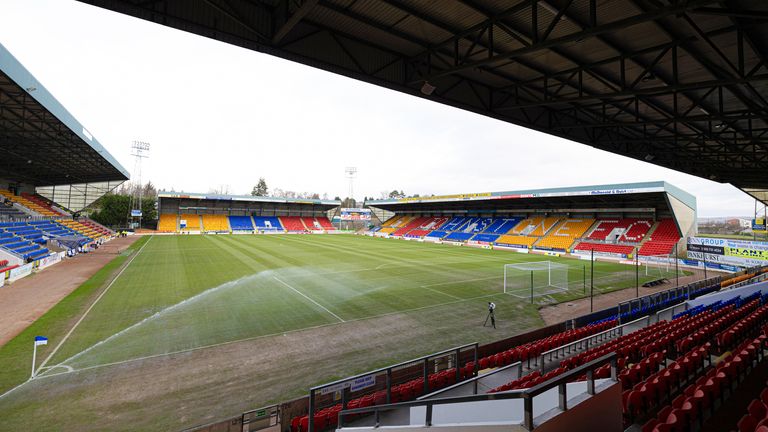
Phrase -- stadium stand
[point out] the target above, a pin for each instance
(476, 225)
(565, 233)
(526, 225)
(411, 389)
(454, 224)
(662, 240)
(43, 202)
(437, 234)
(168, 223)
(81, 228)
(268, 223)
(9, 213)
(241, 223)
(325, 224)
(292, 224)
(485, 237)
(311, 224)
(22, 240)
(215, 223)
(411, 225)
(637, 231)
(624, 230)
(101, 229)
(605, 248)
(656, 363)
(32, 206)
(502, 225)
(459, 236)
(192, 221)
(394, 223)
(517, 240)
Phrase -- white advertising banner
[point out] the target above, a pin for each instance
(20, 272)
(49, 261)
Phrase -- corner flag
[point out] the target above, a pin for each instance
(41, 340)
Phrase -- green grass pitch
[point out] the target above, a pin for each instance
(184, 293)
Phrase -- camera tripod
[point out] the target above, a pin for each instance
(492, 317)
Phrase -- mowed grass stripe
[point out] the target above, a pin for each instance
(349, 277)
(394, 286)
(420, 270)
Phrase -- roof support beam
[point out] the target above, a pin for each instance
(293, 20)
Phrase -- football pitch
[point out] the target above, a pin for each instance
(181, 295)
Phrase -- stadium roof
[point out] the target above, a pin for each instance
(638, 196)
(248, 198)
(682, 85)
(41, 143)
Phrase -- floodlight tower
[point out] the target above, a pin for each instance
(350, 173)
(139, 151)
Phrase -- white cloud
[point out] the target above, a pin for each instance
(216, 114)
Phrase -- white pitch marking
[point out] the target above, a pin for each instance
(92, 305)
(460, 281)
(306, 297)
(184, 351)
(440, 292)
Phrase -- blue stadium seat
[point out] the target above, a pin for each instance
(454, 224)
(268, 223)
(503, 226)
(437, 234)
(240, 223)
(459, 236)
(484, 237)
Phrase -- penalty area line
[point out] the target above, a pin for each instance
(308, 298)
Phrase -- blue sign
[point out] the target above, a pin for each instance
(135, 213)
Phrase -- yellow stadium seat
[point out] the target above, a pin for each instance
(215, 223)
(167, 223)
(517, 240)
(565, 233)
(193, 222)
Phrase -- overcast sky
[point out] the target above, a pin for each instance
(218, 115)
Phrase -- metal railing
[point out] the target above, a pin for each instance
(475, 382)
(527, 395)
(586, 343)
(668, 313)
(345, 383)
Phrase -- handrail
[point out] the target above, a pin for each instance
(585, 340)
(475, 379)
(424, 360)
(527, 395)
(384, 369)
(670, 308)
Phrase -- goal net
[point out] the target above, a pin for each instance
(533, 279)
(659, 266)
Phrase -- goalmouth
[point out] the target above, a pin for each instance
(534, 279)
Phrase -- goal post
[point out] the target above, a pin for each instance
(534, 279)
(662, 266)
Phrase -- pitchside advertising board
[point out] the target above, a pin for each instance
(355, 214)
(742, 253)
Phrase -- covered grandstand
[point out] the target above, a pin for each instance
(241, 214)
(678, 84)
(50, 167)
(613, 220)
